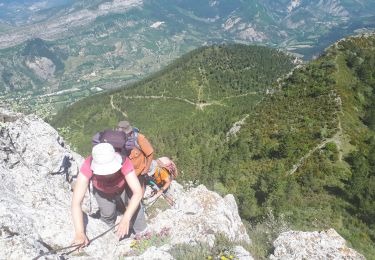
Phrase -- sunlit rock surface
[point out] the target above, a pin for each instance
(313, 245)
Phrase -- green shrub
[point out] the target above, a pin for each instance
(222, 249)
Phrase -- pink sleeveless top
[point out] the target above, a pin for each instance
(107, 184)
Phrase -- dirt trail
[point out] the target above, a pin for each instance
(236, 127)
(335, 139)
(242, 95)
(199, 105)
(117, 109)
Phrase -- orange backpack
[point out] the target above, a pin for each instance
(169, 165)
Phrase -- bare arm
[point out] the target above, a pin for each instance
(133, 204)
(80, 189)
(166, 185)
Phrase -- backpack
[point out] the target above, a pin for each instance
(169, 165)
(116, 138)
(132, 141)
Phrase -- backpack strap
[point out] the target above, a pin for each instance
(136, 134)
(136, 144)
(159, 174)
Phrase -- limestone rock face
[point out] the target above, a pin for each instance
(198, 215)
(36, 169)
(42, 67)
(153, 253)
(313, 245)
(242, 254)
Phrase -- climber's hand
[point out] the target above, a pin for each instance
(123, 227)
(153, 193)
(80, 240)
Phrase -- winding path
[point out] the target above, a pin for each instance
(198, 105)
(335, 139)
(236, 127)
(117, 109)
(242, 95)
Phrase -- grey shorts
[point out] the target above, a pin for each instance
(110, 206)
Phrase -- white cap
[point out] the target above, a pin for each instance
(105, 160)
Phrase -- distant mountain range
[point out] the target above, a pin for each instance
(97, 45)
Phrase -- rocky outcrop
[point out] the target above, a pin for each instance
(198, 215)
(293, 4)
(153, 253)
(243, 30)
(42, 67)
(36, 171)
(313, 245)
(333, 7)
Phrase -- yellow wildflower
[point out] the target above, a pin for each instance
(133, 243)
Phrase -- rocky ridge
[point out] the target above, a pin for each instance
(312, 245)
(42, 67)
(36, 172)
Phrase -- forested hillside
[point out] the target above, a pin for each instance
(195, 99)
(305, 146)
(307, 151)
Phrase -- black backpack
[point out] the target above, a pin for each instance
(116, 138)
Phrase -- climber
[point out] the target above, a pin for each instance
(160, 177)
(139, 150)
(162, 172)
(113, 178)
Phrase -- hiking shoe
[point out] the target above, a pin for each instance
(95, 215)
